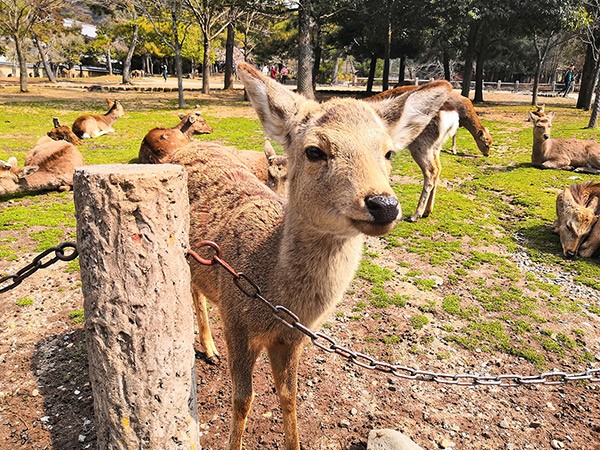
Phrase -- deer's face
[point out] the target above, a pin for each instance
(277, 174)
(339, 169)
(574, 224)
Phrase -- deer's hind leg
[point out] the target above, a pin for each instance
(429, 162)
(204, 335)
(284, 363)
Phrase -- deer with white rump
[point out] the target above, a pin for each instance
(564, 154)
(93, 125)
(303, 251)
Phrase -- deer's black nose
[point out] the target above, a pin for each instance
(383, 208)
(570, 254)
(546, 136)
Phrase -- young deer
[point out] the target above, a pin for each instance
(269, 167)
(91, 126)
(159, 144)
(564, 154)
(577, 211)
(302, 254)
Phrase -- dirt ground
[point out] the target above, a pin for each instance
(46, 399)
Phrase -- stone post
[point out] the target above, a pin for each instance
(132, 237)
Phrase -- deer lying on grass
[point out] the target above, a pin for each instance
(426, 148)
(49, 166)
(93, 125)
(577, 211)
(62, 132)
(159, 144)
(563, 154)
(302, 254)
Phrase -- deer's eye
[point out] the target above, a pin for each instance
(315, 154)
(390, 155)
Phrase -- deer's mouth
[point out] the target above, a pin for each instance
(371, 228)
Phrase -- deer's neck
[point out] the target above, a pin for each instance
(110, 117)
(186, 129)
(540, 150)
(319, 268)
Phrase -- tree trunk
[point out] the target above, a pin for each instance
(109, 61)
(446, 64)
(336, 67)
(536, 84)
(385, 82)
(228, 82)
(305, 54)
(481, 54)
(470, 58)
(371, 78)
(588, 78)
(132, 237)
(595, 110)
(44, 58)
(402, 70)
(127, 63)
(206, 65)
(317, 57)
(23, 76)
(179, 71)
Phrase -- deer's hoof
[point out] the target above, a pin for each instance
(213, 360)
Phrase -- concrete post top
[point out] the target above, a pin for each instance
(131, 169)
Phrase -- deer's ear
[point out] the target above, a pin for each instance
(550, 116)
(408, 114)
(593, 204)
(277, 107)
(268, 149)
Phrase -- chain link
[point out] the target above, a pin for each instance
(328, 344)
(9, 282)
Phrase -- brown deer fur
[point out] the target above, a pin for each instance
(302, 252)
(49, 166)
(91, 126)
(577, 210)
(63, 132)
(159, 144)
(564, 154)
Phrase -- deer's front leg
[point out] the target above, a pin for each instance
(241, 365)
(284, 362)
(437, 169)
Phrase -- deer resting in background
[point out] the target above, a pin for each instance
(577, 211)
(93, 125)
(426, 148)
(159, 144)
(564, 154)
(302, 251)
(269, 167)
(49, 166)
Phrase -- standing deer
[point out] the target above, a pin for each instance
(426, 148)
(577, 211)
(302, 252)
(159, 144)
(91, 126)
(563, 154)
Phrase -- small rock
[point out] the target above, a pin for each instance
(550, 406)
(510, 446)
(503, 424)
(268, 415)
(81, 438)
(439, 281)
(345, 423)
(387, 439)
(557, 444)
(353, 411)
(535, 424)
(35, 393)
(446, 443)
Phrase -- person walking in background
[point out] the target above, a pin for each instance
(284, 74)
(274, 72)
(568, 80)
(164, 71)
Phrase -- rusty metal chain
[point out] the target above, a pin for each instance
(328, 344)
(9, 282)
